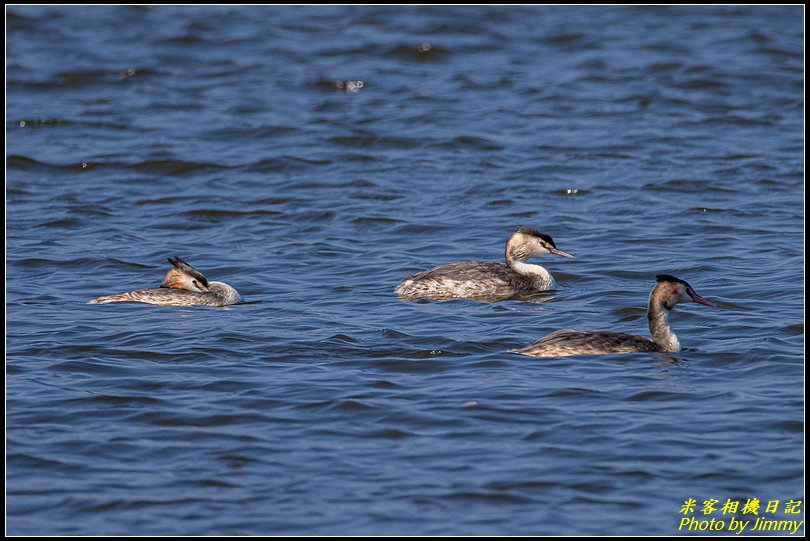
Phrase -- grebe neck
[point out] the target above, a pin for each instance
(541, 277)
(660, 331)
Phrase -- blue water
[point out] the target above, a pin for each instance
(314, 156)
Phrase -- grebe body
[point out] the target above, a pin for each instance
(183, 285)
(667, 292)
(488, 279)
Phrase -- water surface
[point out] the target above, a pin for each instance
(314, 156)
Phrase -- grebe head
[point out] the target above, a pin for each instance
(527, 242)
(673, 290)
(184, 276)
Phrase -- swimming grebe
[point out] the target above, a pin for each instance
(183, 285)
(668, 292)
(488, 279)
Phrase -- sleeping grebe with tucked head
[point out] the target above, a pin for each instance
(667, 292)
(183, 285)
(488, 279)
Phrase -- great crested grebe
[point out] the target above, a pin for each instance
(665, 294)
(488, 279)
(183, 285)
